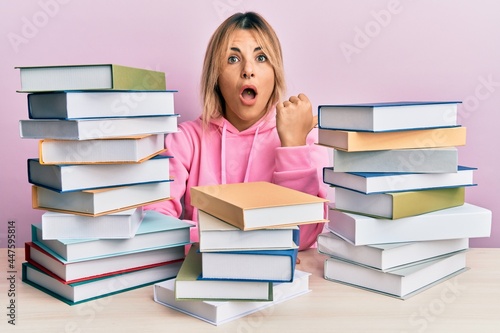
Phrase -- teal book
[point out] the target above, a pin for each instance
(156, 231)
(88, 290)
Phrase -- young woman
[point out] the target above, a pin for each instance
(246, 132)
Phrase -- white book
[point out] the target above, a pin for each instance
(72, 272)
(221, 312)
(418, 160)
(100, 201)
(96, 128)
(390, 116)
(77, 177)
(466, 221)
(100, 104)
(110, 226)
(217, 235)
(157, 230)
(133, 149)
(380, 182)
(389, 256)
(402, 283)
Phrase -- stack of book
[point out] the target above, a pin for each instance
(247, 251)
(400, 222)
(101, 135)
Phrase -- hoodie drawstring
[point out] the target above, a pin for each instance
(223, 155)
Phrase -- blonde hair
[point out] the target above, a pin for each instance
(213, 101)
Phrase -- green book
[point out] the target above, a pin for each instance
(398, 204)
(90, 77)
(188, 284)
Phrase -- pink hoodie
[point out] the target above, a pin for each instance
(222, 154)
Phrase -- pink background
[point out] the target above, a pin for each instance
(335, 51)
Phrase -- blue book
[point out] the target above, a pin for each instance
(156, 231)
(252, 265)
(78, 177)
(392, 116)
(381, 182)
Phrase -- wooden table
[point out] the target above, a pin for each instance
(469, 302)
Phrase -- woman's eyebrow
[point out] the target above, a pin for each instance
(257, 49)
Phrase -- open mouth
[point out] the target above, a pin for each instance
(248, 95)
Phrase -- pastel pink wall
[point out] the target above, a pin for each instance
(335, 51)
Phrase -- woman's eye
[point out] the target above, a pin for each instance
(232, 59)
(261, 58)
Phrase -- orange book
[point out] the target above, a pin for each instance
(367, 141)
(258, 205)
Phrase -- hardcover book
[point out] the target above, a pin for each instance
(398, 204)
(422, 160)
(110, 226)
(221, 312)
(389, 256)
(89, 77)
(217, 235)
(188, 284)
(367, 141)
(77, 177)
(402, 283)
(259, 265)
(157, 230)
(100, 201)
(133, 149)
(100, 104)
(380, 182)
(257, 205)
(390, 116)
(466, 221)
(71, 272)
(96, 128)
(79, 292)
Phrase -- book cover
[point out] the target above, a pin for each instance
(96, 128)
(402, 283)
(351, 141)
(221, 312)
(217, 235)
(78, 177)
(255, 205)
(97, 202)
(96, 268)
(100, 104)
(89, 77)
(391, 116)
(157, 230)
(79, 292)
(389, 256)
(380, 182)
(110, 226)
(465, 221)
(422, 160)
(397, 205)
(133, 149)
(189, 286)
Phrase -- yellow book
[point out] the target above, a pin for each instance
(90, 77)
(398, 204)
(351, 141)
(258, 205)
